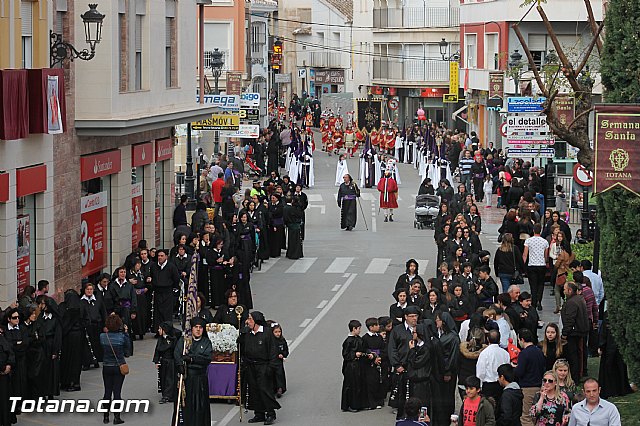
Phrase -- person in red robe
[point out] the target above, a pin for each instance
(388, 188)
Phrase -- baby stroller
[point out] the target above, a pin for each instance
(426, 210)
(253, 171)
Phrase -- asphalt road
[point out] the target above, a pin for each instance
(343, 276)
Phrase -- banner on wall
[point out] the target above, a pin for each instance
(136, 214)
(369, 115)
(157, 212)
(93, 216)
(24, 251)
(54, 115)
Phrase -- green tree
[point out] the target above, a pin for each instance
(619, 210)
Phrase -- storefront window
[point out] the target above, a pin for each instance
(26, 239)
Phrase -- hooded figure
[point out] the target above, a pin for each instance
(73, 331)
(163, 359)
(419, 364)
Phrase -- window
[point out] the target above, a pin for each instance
(171, 45)
(537, 45)
(138, 52)
(123, 51)
(258, 36)
(491, 50)
(26, 15)
(470, 50)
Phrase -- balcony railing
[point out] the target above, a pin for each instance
(410, 70)
(323, 59)
(416, 17)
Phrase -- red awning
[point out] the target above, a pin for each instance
(14, 105)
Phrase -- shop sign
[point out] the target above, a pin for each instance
(531, 152)
(249, 115)
(136, 214)
(433, 92)
(234, 83)
(454, 78)
(565, 108)
(250, 100)
(244, 131)
(221, 101)
(157, 210)
(525, 104)
(164, 149)
(329, 77)
(100, 165)
(218, 122)
(283, 78)
(617, 151)
(93, 216)
(23, 225)
(4, 187)
(141, 154)
(31, 180)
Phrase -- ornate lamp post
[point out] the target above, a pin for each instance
(515, 66)
(60, 50)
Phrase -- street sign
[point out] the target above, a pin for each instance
(302, 73)
(244, 131)
(218, 122)
(250, 100)
(393, 103)
(530, 153)
(525, 104)
(530, 138)
(503, 129)
(283, 78)
(582, 176)
(221, 101)
(527, 123)
(249, 115)
(518, 140)
(450, 98)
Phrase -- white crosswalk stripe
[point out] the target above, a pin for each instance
(314, 198)
(377, 266)
(367, 196)
(267, 265)
(339, 265)
(301, 266)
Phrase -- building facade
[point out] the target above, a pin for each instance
(402, 56)
(260, 76)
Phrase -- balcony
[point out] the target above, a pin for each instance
(324, 59)
(416, 17)
(410, 70)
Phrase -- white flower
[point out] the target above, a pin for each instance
(223, 337)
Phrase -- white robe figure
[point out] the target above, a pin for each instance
(299, 176)
(342, 168)
(434, 172)
(392, 167)
(293, 169)
(399, 144)
(287, 162)
(378, 169)
(423, 169)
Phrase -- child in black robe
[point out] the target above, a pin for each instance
(283, 352)
(386, 325)
(353, 355)
(373, 345)
(163, 358)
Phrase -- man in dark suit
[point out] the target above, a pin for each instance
(166, 283)
(399, 354)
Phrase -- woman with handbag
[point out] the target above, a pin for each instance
(507, 262)
(563, 256)
(116, 345)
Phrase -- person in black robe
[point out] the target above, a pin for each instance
(192, 364)
(275, 233)
(273, 150)
(303, 203)
(292, 215)
(399, 356)
(443, 380)
(410, 275)
(35, 351)
(347, 194)
(368, 161)
(163, 359)
(280, 378)
(226, 314)
(262, 219)
(203, 267)
(613, 376)
(139, 283)
(396, 310)
(51, 330)
(202, 310)
(94, 315)
(258, 155)
(245, 254)
(166, 285)
(73, 325)
(7, 363)
(220, 265)
(147, 264)
(373, 344)
(259, 354)
(419, 365)
(354, 358)
(125, 300)
(18, 337)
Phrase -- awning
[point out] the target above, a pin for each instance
(457, 112)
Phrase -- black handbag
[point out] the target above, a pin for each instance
(516, 278)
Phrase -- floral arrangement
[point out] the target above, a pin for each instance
(223, 337)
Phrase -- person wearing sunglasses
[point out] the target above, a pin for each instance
(18, 337)
(551, 405)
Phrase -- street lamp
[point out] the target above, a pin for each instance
(60, 50)
(443, 48)
(216, 67)
(515, 65)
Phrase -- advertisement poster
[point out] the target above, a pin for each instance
(93, 241)
(136, 214)
(24, 251)
(54, 116)
(157, 212)
(616, 148)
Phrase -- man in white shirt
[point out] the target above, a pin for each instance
(596, 281)
(536, 249)
(593, 410)
(487, 367)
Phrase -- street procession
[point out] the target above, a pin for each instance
(401, 214)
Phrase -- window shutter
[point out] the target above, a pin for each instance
(122, 7)
(537, 42)
(26, 14)
(169, 25)
(170, 8)
(138, 33)
(59, 21)
(141, 7)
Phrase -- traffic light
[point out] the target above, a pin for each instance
(276, 55)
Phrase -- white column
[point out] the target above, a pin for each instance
(167, 203)
(149, 204)
(121, 210)
(8, 246)
(44, 254)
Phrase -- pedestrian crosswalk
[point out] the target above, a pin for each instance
(339, 266)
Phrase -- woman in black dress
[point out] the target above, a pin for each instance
(138, 281)
(72, 341)
(35, 351)
(276, 226)
(245, 252)
(292, 215)
(51, 329)
(447, 343)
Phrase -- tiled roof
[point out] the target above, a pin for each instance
(345, 7)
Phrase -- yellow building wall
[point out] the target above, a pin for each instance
(40, 35)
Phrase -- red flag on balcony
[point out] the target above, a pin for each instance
(466, 80)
